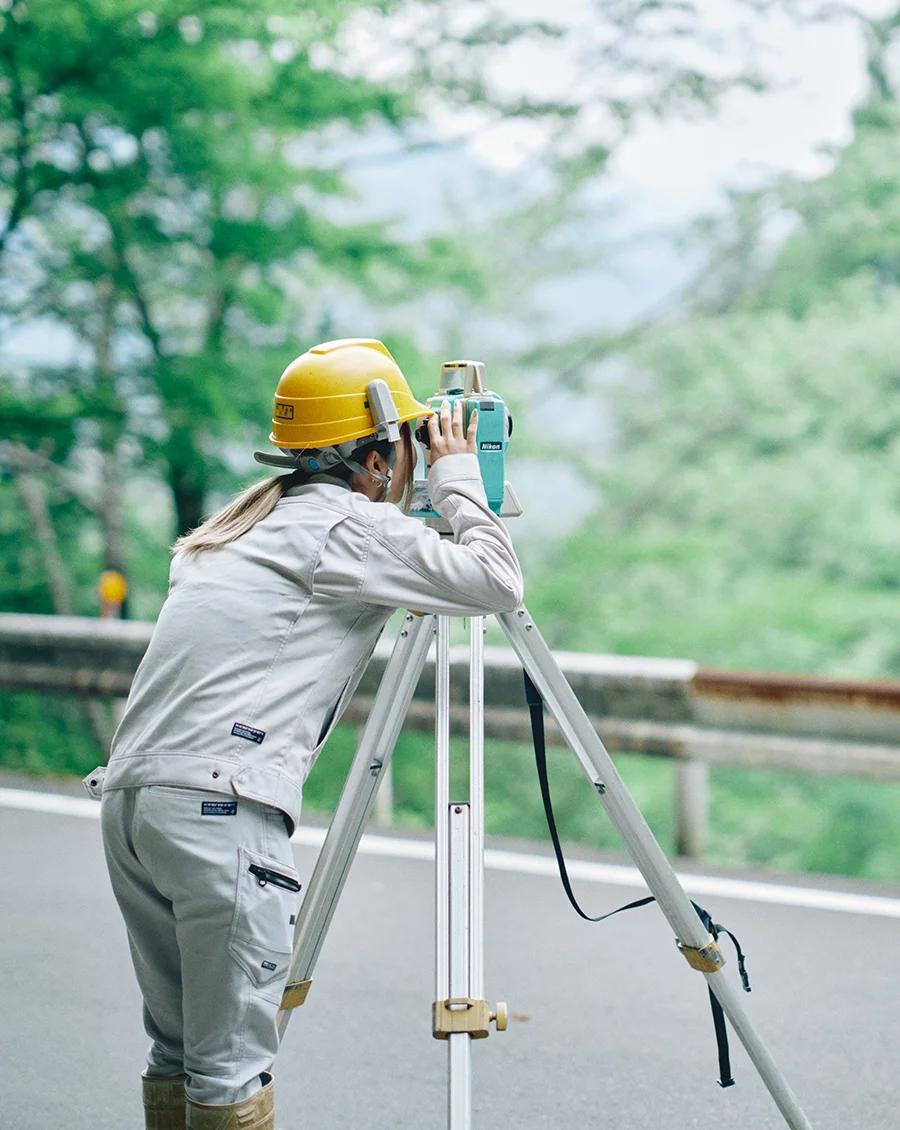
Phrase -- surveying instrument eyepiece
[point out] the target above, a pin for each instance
(460, 1014)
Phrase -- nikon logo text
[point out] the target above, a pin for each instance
(491, 446)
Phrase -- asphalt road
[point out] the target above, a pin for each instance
(611, 1028)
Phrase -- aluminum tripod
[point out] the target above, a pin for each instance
(460, 1014)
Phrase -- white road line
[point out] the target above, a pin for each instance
(610, 874)
(50, 802)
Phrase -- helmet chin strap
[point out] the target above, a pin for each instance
(385, 480)
(321, 460)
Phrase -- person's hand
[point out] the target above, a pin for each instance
(446, 433)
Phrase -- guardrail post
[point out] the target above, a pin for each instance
(691, 807)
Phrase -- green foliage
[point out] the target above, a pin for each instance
(26, 720)
(779, 821)
(845, 225)
(168, 180)
(674, 597)
(163, 205)
(513, 804)
(24, 584)
(748, 510)
(748, 513)
(795, 823)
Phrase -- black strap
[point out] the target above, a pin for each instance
(725, 1076)
(721, 1030)
(536, 707)
(536, 710)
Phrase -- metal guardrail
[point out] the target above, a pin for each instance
(662, 707)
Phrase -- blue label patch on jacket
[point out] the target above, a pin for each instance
(270, 965)
(218, 808)
(239, 730)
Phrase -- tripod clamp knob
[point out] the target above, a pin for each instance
(464, 1015)
(706, 958)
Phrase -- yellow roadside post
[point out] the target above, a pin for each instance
(113, 589)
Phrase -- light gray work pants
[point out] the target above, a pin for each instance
(210, 939)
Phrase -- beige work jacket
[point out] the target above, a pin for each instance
(260, 644)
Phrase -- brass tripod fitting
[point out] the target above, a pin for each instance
(294, 995)
(461, 1014)
(706, 958)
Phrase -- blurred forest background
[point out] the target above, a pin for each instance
(191, 193)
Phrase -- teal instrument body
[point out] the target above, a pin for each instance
(464, 380)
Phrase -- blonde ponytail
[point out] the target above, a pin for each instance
(239, 516)
(253, 504)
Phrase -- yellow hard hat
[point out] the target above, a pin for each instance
(322, 398)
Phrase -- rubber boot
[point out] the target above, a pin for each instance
(255, 1113)
(164, 1102)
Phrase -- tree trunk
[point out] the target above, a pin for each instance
(187, 478)
(112, 510)
(34, 496)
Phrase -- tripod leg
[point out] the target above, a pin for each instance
(460, 1012)
(452, 897)
(697, 945)
(459, 992)
(476, 807)
(375, 748)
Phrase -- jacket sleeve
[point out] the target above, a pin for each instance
(404, 564)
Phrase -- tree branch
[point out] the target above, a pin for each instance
(34, 498)
(22, 459)
(143, 307)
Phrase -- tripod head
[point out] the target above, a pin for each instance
(466, 381)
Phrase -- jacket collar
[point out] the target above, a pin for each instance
(315, 481)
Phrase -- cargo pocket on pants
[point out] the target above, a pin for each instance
(260, 935)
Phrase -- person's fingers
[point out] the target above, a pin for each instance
(459, 421)
(449, 432)
(439, 431)
(472, 431)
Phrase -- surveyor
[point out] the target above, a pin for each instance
(274, 608)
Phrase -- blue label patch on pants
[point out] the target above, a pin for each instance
(270, 965)
(218, 808)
